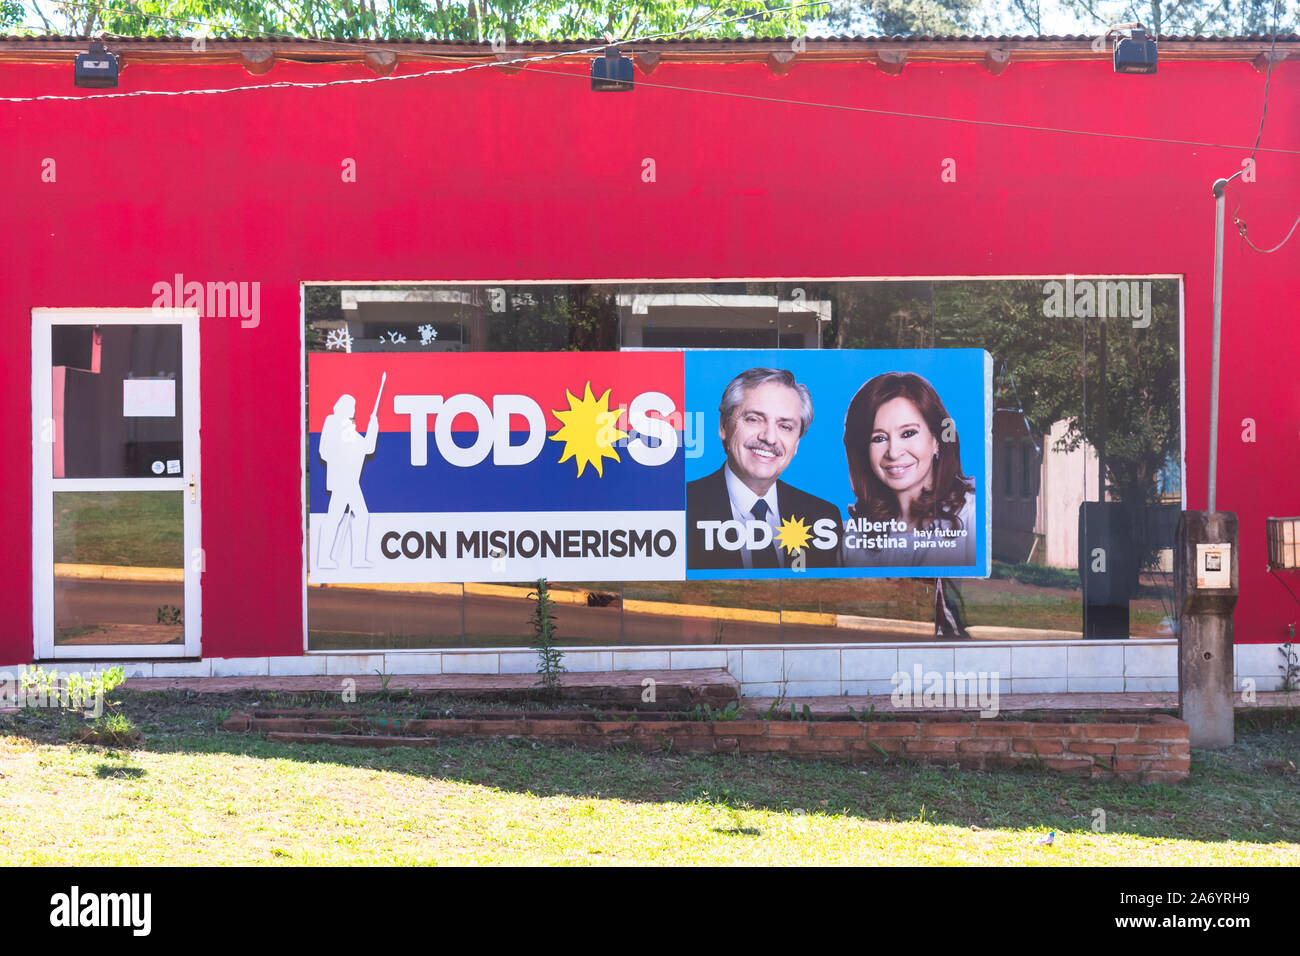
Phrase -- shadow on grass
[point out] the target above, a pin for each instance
(1244, 793)
(108, 771)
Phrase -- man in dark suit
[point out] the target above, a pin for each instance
(742, 517)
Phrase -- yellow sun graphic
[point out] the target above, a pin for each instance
(590, 431)
(793, 535)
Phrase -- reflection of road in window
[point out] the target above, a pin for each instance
(119, 575)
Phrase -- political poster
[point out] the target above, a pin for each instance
(647, 465)
(844, 463)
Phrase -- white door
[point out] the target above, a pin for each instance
(115, 483)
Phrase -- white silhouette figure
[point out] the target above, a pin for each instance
(344, 452)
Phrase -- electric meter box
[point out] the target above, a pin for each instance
(1205, 562)
(1213, 566)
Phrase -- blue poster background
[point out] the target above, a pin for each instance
(962, 378)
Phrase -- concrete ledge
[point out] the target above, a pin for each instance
(352, 740)
(106, 572)
(988, 632)
(673, 688)
(855, 623)
(809, 618)
(702, 611)
(826, 668)
(445, 590)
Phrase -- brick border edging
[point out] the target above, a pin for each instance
(1158, 751)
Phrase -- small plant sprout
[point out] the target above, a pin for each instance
(1290, 666)
(549, 657)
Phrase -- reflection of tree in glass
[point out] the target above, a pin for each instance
(556, 318)
(879, 315)
(1133, 416)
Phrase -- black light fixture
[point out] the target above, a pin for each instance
(612, 73)
(1135, 53)
(96, 70)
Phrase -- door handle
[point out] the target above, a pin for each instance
(193, 487)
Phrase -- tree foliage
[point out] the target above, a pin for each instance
(1183, 17)
(11, 14)
(539, 20)
(904, 17)
(472, 20)
(1051, 369)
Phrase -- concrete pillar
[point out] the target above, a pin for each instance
(1205, 576)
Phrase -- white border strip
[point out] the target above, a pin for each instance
(800, 670)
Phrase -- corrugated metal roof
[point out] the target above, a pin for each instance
(259, 53)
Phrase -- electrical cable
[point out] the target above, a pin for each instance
(1285, 585)
(1241, 229)
(649, 85)
(358, 45)
(1268, 76)
(1236, 219)
(928, 116)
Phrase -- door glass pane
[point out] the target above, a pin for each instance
(116, 401)
(119, 567)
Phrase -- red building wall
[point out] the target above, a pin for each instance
(483, 175)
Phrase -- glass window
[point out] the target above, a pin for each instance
(1087, 412)
(126, 529)
(1029, 466)
(117, 393)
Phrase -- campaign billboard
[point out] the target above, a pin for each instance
(648, 465)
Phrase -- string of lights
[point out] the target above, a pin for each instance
(529, 61)
(358, 45)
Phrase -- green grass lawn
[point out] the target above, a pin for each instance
(194, 794)
(141, 529)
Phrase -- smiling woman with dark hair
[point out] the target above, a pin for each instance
(913, 504)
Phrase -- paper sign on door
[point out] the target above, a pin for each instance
(149, 398)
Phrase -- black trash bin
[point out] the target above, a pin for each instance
(1106, 568)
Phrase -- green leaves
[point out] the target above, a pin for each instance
(549, 658)
(42, 688)
(550, 20)
(704, 712)
(866, 715)
(482, 21)
(11, 13)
